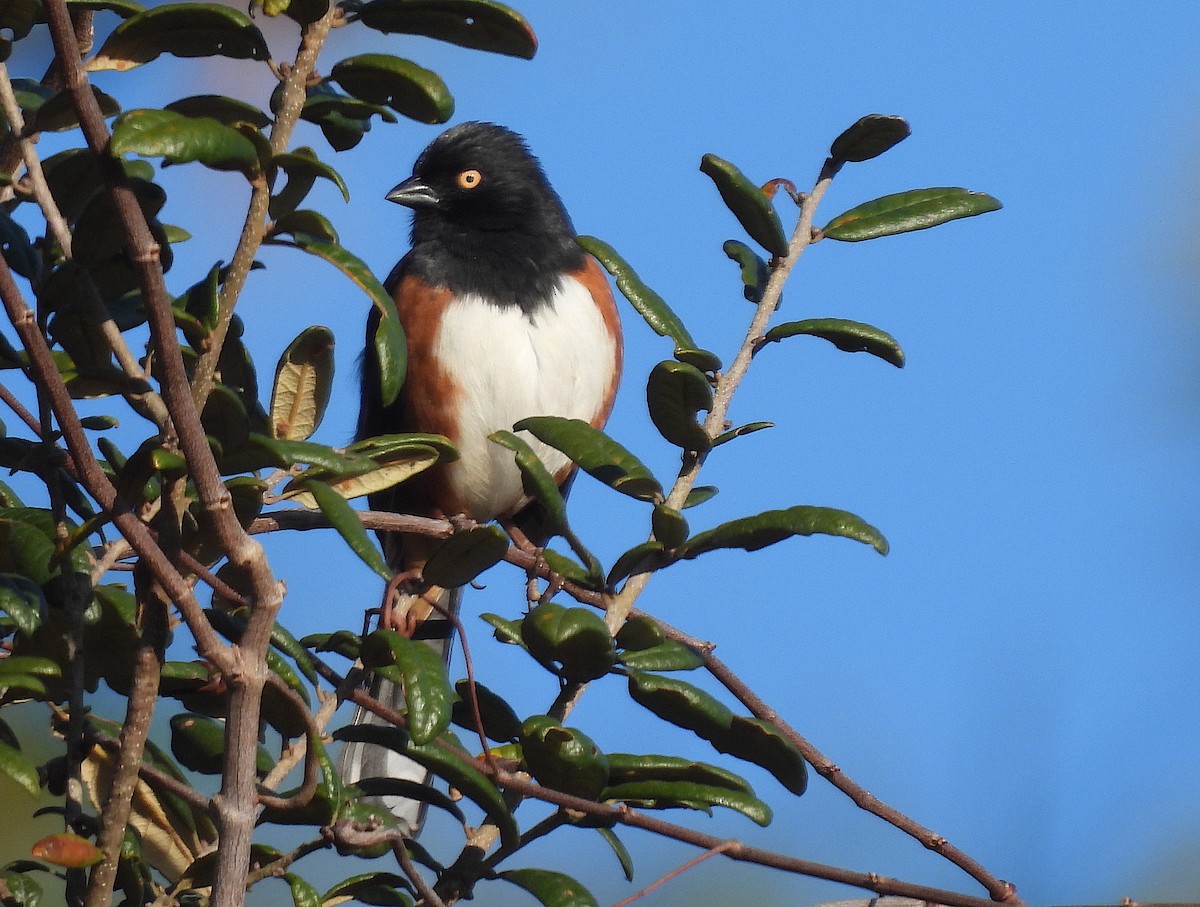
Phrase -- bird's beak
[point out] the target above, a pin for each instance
(414, 194)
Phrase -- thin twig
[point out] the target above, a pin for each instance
(675, 873)
(428, 896)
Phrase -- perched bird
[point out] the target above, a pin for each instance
(506, 317)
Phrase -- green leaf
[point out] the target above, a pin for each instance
(621, 851)
(345, 520)
(851, 336)
(413, 790)
(750, 739)
(552, 889)
(302, 168)
(917, 209)
(310, 226)
(755, 272)
(748, 203)
(754, 740)
(738, 431)
(343, 120)
(58, 113)
(18, 250)
(562, 758)
(23, 891)
(374, 467)
(671, 794)
(23, 601)
(368, 888)
(427, 694)
(400, 84)
(123, 8)
(870, 137)
(20, 769)
(198, 742)
(596, 454)
(507, 631)
(182, 29)
(699, 494)
(670, 528)
(229, 111)
(465, 555)
(500, 722)
(390, 345)
(771, 526)
(640, 558)
(541, 487)
(675, 392)
(667, 656)
(303, 893)
(303, 380)
(571, 642)
(284, 454)
(652, 307)
(178, 139)
(628, 767)
(478, 24)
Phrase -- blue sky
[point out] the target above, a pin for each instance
(1019, 673)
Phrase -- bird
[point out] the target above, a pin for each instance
(506, 317)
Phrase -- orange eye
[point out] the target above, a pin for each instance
(469, 179)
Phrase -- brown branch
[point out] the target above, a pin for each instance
(139, 710)
(429, 897)
(9, 399)
(254, 228)
(312, 768)
(736, 850)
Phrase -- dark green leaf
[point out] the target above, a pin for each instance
(652, 307)
(58, 113)
(670, 528)
(19, 768)
(427, 694)
(552, 889)
(571, 642)
(769, 527)
(343, 120)
(596, 454)
(178, 139)
(183, 29)
(400, 84)
(390, 346)
(567, 568)
(478, 24)
(284, 454)
(621, 851)
(667, 656)
(670, 794)
(303, 380)
(675, 392)
(23, 601)
(465, 555)
(699, 495)
(628, 767)
(303, 893)
(368, 888)
(681, 704)
(229, 111)
(748, 203)
(562, 758)
(738, 431)
(757, 741)
(412, 790)
(917, 209)
(345, 520)
(851, 336)
(755, 272)
(507, 631)
(23, 890)
(123, 8)
(870, 137)
(17, 249)
(303, 168)
(704, 360)
(639, 559)
(500, 722)
(309, 226)
(198, 742)
(343, 642)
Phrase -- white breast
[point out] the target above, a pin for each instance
(508, 365)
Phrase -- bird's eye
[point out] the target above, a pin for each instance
(469, 179)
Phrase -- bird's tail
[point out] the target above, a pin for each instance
(359, 761)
